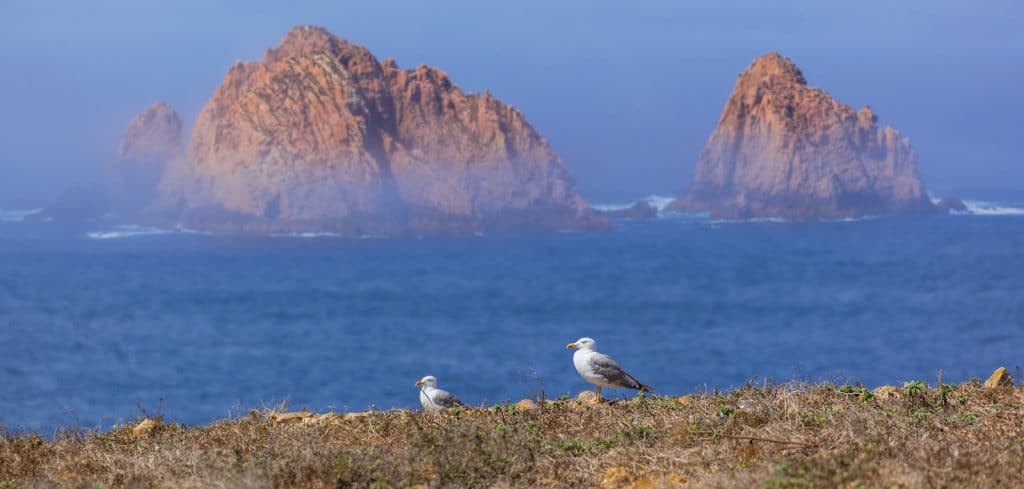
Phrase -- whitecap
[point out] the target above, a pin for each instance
(684, 216)
(984, 208)
(308, 235)
(753, 220)
(17, 215)
(131, 231)
(659, 202)
(852, 219)
(611, 207)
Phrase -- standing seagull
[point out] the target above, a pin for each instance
(600, 369)
(434, 399)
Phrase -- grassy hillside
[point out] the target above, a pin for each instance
(782, 436)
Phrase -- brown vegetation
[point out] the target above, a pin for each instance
(780, 436)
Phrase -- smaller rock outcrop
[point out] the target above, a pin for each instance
(638, 211)
(786, 149)
(1000, 378)
(153, 135)
(149, 143)
(526, 405)
(146, 426)
(887, 392)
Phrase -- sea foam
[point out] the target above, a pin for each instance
(132, 231)
(17, 215)
(307, 235)
(984, 208)
(659, 202)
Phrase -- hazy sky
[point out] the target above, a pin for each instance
(627, 95)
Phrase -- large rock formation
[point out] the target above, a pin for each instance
(149, 142)
(785, 149)
(320, 135)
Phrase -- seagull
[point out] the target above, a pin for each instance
(434, 399)
(600, 369)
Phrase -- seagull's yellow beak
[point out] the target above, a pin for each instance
(571, 346)
(419, 383)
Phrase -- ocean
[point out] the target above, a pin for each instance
(100, 323)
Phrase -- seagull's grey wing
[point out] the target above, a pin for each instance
(445, 399)
(608, 368)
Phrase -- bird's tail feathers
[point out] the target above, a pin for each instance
(645, 388)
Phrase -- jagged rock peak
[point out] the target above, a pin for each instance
(308, 39)
(150, 142)
(775, 67)
(319, 134)
(866, 117)
(154, 134)
(785, 149)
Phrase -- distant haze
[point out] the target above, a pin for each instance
(626, 95)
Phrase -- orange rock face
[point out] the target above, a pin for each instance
(785, 149)
(320, 135)
(149, 142)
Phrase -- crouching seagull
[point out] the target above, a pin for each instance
(600, 369)
(434, 399)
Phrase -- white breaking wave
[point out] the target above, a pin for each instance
(17, 215)
(659, 202)
(983, 208)
(852, 219)
(130, 231)
(324, 234)
(611, 207)
(974, 207)
(308, 235)
(748, 221)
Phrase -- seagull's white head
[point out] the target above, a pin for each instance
(583, 344)
(428, 381)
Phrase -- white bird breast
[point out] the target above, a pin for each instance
(581, 360)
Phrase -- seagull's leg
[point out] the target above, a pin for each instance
(598, 394)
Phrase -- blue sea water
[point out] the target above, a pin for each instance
(97, 324)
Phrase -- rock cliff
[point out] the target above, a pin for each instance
(785, 149)
(321, 135)
(149, 142)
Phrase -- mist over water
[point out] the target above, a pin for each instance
(627, 95)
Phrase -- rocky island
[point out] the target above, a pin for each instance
(785, 149)
(149, 143)
(321, 136)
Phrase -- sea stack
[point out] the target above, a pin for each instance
(786, 149)
(321, 136)
(151, 140)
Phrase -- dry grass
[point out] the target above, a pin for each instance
(784, 436)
